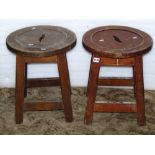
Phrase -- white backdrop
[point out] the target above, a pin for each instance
(78, 58)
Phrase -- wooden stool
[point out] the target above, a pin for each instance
(116, 46)
(41, 44)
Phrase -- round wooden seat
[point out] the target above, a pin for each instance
(42, 44)
(117, 41)
(116, 46)
(41, 41)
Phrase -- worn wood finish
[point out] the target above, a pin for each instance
(115, 107)
(43, 82)
(21, 64)
(134, 77)
(139, 89)
(92, 88)
(25, 84)
(41, 41)
(117, 41)
(117, 62)
(49, 59)
(33, 106)
(116, 46)
(65, 86)
(36, 82)
(113, 81)
(89, 82)
(42, 44)
(20, 76)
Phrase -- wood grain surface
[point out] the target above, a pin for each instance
(41, 41)
(117, 41)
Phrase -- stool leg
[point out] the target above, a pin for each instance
(69, 83)
(134, 79)
(20, 69)
(139, 87)
(89, 77)
(65, 86)
(25, 86)
(91, 94)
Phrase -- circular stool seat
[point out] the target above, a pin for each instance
(117, 41)
(41, 41)
(42, 44)
(116, 46)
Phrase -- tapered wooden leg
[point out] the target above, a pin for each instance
(89, 83)
(139, 87)
(25, 86)
(92, 88)
(69, 83)
(134, 78)
(65, 86)
(20, 69)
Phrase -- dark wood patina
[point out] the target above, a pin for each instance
(42, 44)
(116, 46)
(117, 41)
(41, 41)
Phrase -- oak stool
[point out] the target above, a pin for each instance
(41, 44)
(116, 46)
